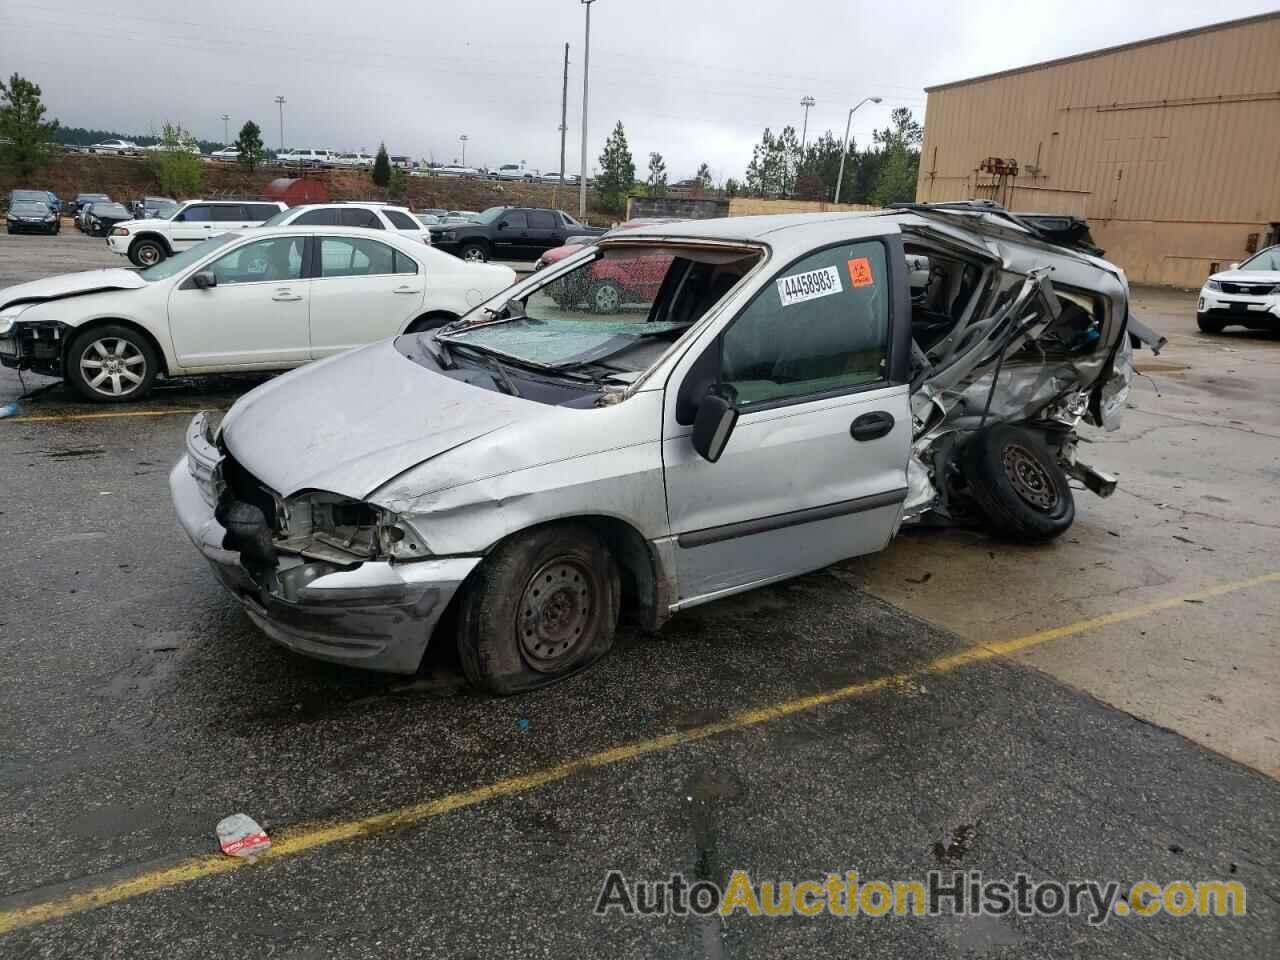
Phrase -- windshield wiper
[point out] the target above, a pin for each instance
(439, 351)
(508, 384)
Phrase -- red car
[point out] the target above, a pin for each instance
(612, 283)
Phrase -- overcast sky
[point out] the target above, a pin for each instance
(697, 80)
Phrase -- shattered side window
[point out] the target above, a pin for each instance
(822, 325)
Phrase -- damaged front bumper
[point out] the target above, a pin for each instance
(378, 615)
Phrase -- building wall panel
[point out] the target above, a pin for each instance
(1179, 131)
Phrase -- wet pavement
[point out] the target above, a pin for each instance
(139, 707)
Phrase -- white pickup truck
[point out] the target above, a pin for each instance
(147, 242)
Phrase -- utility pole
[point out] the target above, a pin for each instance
(847, 124)
(805, 102)
(226, 131)
(280, 102)
(586, 76)
(564, 126)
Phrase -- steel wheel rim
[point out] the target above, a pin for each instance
(1030, 480)
(555, 613)
(113, 366)
(608, 298)
(148, 255)
(474, 254)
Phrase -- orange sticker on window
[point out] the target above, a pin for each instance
(860, 272)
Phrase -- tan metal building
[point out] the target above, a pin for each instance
(1170, 146)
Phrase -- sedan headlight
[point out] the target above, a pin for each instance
(1213, 285)
(119, 231)
(5, 325)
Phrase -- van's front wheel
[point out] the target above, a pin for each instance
(543, 606)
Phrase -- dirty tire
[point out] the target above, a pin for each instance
(1209, 324)
(543, 606)
(120, 359)
(1017, 484)
(147, 253)
(474, 252)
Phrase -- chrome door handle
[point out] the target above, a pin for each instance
(285, 295)
(407, 290)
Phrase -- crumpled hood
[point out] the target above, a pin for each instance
(350, 423)
(70, 285)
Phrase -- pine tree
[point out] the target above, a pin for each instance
(24, 136)
(382, 167)
(657, 182)
(617, 172)
(249, 143)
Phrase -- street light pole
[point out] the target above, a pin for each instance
(226, 131)
(280, 102)
(564, 127)
(586, 74)
(805, 102)
(845, 150)
(463, 140)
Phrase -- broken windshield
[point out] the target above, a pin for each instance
(618, 310)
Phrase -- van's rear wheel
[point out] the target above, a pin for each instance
(1017, 483)
(542, 607)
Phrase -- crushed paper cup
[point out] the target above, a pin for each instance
(239, 835)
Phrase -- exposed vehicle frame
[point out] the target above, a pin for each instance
(466, 488)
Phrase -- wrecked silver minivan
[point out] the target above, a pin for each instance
(682, 412)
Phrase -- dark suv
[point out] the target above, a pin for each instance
(510, 233)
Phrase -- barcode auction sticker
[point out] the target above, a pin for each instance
(800, 287)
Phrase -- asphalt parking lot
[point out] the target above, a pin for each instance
(1101, 708)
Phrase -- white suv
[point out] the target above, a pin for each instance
(1247, 294)
(306, 158)
(371, 216)
(147, 242)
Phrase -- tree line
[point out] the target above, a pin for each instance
(781, 166)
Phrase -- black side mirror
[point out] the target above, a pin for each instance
(205, 279)
(713, 426)
(502, 224)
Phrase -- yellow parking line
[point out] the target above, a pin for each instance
(106, 416)
(307, 837)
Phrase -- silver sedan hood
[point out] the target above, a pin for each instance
(352, 422)
(70, 285)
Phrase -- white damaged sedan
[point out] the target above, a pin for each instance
(267, 299)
